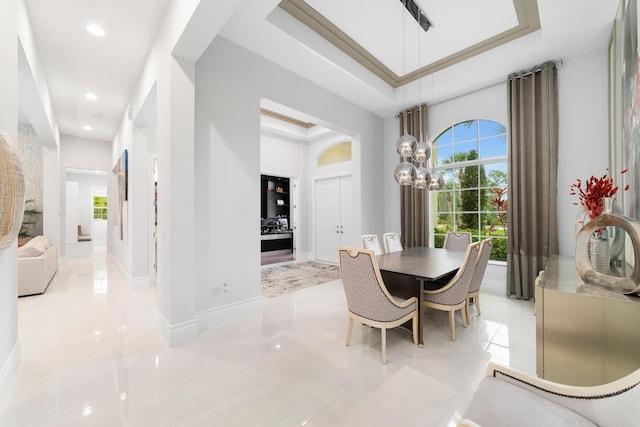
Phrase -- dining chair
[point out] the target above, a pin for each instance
(457, 241)
(368, 299)
(371, 242)
(391, 242)
(478, 275)
(453, 296)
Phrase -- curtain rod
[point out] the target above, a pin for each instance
(557, 63)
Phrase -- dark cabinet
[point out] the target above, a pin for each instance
(275, 214)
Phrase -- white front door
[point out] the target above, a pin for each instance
(333, 217)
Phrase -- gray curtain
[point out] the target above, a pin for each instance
(414, 204)
(532, 174)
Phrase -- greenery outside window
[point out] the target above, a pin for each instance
(472, 157)
(99, 207)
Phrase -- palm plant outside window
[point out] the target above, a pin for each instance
(472, 156)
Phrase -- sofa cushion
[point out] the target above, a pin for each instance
(497, 403)
(29, 251)
(40, 242)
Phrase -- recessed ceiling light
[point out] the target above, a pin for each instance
(95, 29)
(90, 96)
(87, 127)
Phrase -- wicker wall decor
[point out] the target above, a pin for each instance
(11, 192)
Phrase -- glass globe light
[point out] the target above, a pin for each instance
(406, 145)
(422, 152)
(405, 173)
(423, 178)
(437, 181)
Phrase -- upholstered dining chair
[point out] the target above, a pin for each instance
(478, 275)
(371, 242)
(391, 242)
(453, 296)
(457, 241)
(368, 299)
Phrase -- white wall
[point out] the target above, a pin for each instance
(281, 156)
(230, 83)
(583, 134)
(583, 118)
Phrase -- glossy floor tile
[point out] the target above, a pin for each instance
(91, 356)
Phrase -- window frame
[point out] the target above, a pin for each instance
(499, 250)
(105, 209)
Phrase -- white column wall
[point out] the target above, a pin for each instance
(138, 189)
(9, 348)
(176, 283)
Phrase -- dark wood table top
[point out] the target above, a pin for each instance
(426, 263)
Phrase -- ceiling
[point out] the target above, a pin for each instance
(371, 52)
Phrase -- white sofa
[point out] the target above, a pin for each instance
(37, 264)
(508, 398)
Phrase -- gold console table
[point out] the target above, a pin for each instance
(585, 335)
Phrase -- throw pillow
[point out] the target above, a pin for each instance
(29, 252)
(39, 242)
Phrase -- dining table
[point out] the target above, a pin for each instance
(406, 273)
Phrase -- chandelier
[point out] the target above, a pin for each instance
(410, 150)
(406, 173)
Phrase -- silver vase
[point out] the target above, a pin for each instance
(599, 251)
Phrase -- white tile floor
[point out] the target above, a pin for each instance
(91, 356)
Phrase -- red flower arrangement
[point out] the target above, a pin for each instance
(594, 190)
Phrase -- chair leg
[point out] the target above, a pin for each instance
(383, 332)
(476, 299)
(349, 330)
(415, 329)
(452, 325)
(465, 319)
(467, 308)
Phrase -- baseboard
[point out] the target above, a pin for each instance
(176, 334)
(9, 370)
(226, 313)
(140, 282)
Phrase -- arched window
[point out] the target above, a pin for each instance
(335, 154)
(472, 157)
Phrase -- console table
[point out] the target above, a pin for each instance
(585, 335)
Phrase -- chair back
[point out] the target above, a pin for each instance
(481, 264)
(457, 242)
(371, 242)
(392, 242)
(367, 296)
(455, 292)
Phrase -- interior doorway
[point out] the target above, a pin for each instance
(306, 149)
(85, 225)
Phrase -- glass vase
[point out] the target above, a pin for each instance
(599, 251)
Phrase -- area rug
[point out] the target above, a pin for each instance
(287, 278)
